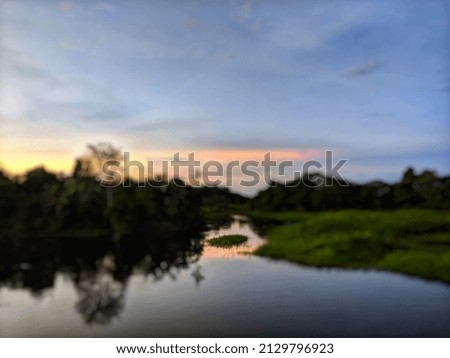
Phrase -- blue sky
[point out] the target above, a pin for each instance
(367, 79)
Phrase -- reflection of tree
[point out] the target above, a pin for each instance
(157, 255)
(99, 267)
(197, 275)
(101, 297)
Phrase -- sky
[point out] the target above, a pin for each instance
(369, 80)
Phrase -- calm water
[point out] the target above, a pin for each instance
(202, 291)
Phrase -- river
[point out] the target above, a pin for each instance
(228, 293)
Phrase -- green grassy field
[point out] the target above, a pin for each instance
(228, 240)
(415, 242)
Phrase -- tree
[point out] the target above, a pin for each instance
(91, 165)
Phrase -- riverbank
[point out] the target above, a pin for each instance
(410, 241)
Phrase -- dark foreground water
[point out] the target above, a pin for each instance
(227, 293)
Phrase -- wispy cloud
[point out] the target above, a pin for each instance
(73, 6)
(170, 125)
(68, 6)
(104, 6)
(364, 70)
(244, 11)
(256, 74)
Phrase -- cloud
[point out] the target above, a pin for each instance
(105, 7)
(364, 70)
(169, 124)
(12, 101)
(263, 76)
(244, 11)
(67, 6)
(311, 27)
(263, 140)
(255, 26)
(20, 66)
(72, 6)
(33, 89)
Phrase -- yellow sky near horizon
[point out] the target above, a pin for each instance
(18, 161)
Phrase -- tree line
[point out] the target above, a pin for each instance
(414, 190)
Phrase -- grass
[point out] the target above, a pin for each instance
(228, 240)
(414, 242)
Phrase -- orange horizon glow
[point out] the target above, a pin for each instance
(18, 162)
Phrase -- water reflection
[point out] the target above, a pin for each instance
(240, 225)
(101, 297)
(99, 268)
(197, 274)
(176, 285)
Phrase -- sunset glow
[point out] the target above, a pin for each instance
(226, 81)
